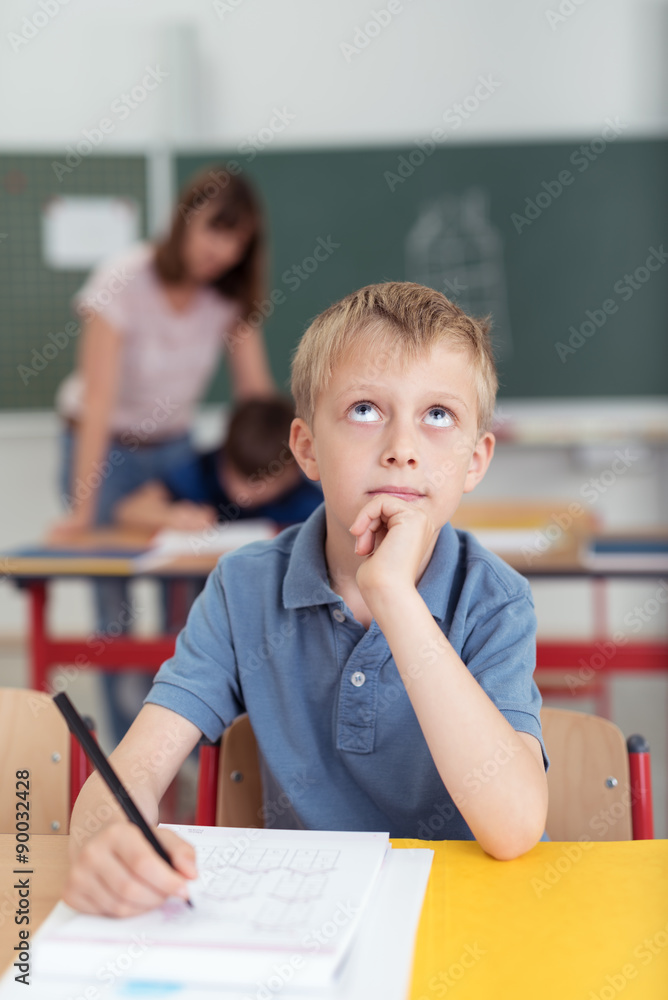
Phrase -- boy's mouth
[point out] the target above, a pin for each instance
(403, 492)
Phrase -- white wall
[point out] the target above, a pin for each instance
(559, 78)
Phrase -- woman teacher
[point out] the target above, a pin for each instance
(156, 320)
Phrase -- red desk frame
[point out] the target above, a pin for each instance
(118, 653)
(126, 652)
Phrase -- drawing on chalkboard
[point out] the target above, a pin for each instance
(454, 248)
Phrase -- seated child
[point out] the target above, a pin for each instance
(252, 474)
(384, 658)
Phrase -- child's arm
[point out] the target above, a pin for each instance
(151, 508)
(114, 869)
(463, 728)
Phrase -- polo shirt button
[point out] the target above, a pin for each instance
(358, 679)
(339, 615)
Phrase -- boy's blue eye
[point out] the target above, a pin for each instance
(441, 417)
(363, 413)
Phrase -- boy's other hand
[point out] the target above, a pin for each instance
(118, 874)
(396, 535)
(186, 516)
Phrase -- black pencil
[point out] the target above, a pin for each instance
(97, 758)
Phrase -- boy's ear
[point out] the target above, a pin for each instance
(302, 447)
(480, 459)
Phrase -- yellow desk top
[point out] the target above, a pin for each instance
(564, 922)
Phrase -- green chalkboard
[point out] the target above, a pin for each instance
(495, 228)
(36, 348)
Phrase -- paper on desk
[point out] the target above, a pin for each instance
(379, 960)
(508, 539)
(263, 898)
(213, 541)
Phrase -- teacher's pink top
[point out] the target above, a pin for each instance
(167, 358)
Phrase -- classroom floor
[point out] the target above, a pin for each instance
(639, 704)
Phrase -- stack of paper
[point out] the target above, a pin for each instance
(212, 541)
(295, 913)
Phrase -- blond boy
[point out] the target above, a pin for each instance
(385, 659)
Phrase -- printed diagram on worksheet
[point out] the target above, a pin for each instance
(257, 891)
(298, 913)
(271, 887)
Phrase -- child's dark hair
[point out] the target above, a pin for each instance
(258, 435)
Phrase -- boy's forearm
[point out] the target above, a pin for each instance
(96, 807)
(146, 761)
(505, 807)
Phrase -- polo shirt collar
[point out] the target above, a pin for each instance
(305, 583)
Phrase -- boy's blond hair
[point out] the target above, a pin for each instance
(381, 320)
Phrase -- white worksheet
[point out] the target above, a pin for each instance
(378, 963)
(263, 898)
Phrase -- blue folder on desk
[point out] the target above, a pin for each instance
(44, 552)
(627, 554)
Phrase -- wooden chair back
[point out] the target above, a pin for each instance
(34, 737)
(588, 779)
(239, 799)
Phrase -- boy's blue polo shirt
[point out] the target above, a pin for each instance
(340, 745)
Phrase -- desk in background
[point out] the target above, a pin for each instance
(553, 542)
(563, 922)
(99, 554)
(112, 552)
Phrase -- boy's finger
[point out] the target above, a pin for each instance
(94, 896)
(102, 884)
(181, 853)
(86, 894)
(143, 866)
(147, 865)
(364, 543)
(381, 506)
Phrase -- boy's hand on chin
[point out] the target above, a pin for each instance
(395, 535)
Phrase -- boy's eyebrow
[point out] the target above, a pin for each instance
(433, 393)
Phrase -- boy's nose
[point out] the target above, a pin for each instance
(400, 448)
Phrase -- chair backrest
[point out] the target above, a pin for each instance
(239, 799)
(588, 779)
(34, 738)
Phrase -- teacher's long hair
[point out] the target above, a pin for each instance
(236, 204)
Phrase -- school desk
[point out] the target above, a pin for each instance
(566, 920)
(557, 540)
(98, 554)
